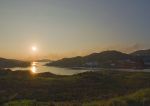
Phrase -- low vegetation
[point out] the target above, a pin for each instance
(139, 98)
(101, 88)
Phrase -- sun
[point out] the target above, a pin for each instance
(34, 48)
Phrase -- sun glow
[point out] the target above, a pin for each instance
(34, 48)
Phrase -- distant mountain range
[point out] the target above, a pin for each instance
(10, 63)
(107, 59)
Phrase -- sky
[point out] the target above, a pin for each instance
(66, 28)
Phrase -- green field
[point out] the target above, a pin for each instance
(101, 88)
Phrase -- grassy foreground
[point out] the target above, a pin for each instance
(102, 88)
(139, 98)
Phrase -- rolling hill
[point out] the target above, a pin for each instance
(144, 55)
(142, 52)
(10, 63)
(106, 59)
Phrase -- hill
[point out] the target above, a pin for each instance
(144, 55)
(106, 59)
(10, 63)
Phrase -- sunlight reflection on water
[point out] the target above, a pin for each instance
(39, 67)
(33, 67)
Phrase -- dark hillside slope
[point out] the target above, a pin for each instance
(144, 55)
(106, 59)
(9, 63)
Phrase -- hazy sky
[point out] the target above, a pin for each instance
(72, 27)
